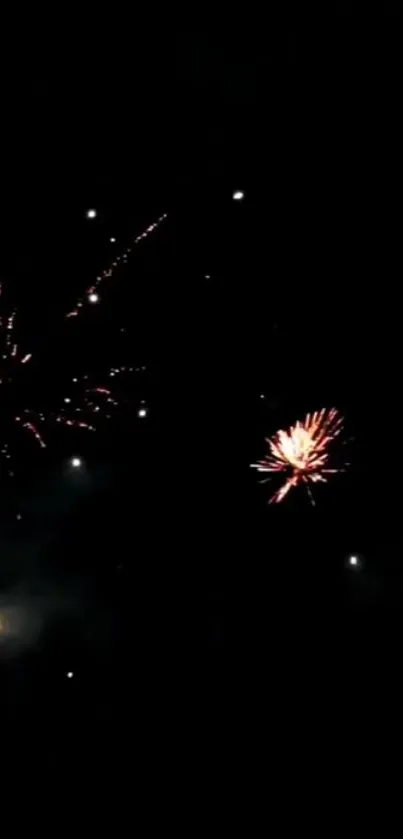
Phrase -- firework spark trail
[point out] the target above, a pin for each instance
(302, 453)
(83, 403)
(31, 427)
(89, 401)
(92, 404)
(10, 346)
(75, 423)
(119, 260)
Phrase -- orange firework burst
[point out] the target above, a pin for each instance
(302, 452)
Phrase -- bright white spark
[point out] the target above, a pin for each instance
(76, 462)
(93, 298)
(238, 195)
(142, 412)
(91, 213)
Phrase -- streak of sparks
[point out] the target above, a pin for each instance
(32, 428)
(90, 294)
(301, 454)
(92, 403)
(85, 409)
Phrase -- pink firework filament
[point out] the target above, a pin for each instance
(301, 454)
(32, 428)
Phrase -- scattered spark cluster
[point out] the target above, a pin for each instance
(86, 402)
(91, 295)
(85, 408)
(301, 454)
(10, 352)
(11, 360)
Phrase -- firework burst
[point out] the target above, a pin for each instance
(301, 454)
(88, 400)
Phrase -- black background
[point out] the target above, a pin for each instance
(184, 604)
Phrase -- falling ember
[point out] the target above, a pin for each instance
(301, 454)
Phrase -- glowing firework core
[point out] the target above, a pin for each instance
(302, 452)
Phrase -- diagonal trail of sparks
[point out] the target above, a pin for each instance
(91, 293)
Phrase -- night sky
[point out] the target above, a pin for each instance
(152, 595)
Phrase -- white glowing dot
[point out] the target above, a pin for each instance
(238, 195)
(67, 399)
(93, 298)
(142, 412)
(112, 239)
(353, 560)
(91, 213)
(75, 380)
(112, 373)
(262, 395)
(19, 516)
(76, 462)
(70, 674)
